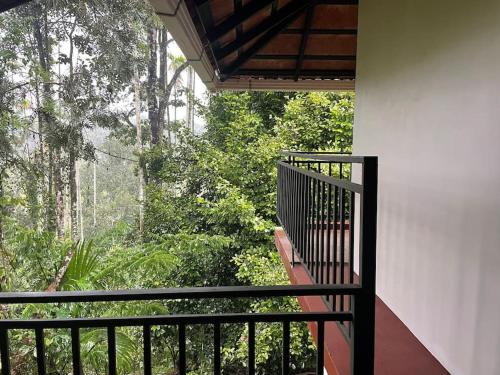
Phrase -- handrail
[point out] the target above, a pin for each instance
(133, 321)
(327, 157)
(345, 184)
(178, 293)
(317, 152)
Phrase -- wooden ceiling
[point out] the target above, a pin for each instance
(278, 39)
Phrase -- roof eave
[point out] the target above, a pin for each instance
(284, 85)
(176, 17)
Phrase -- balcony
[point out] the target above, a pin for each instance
(328, 238)
(315, 198)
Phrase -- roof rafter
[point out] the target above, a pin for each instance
(306, 57)
(239, 16)
(322, 31)
(287, 73)
(285, 17)
(275, 22)
(303, 42)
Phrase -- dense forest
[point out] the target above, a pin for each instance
(104, 185)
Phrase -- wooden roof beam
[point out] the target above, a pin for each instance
(303, 42)
(306, 57)
(239, 16)
(338, 2)
(279, 21)
(289, 73)
(285, 16)
(322, 31)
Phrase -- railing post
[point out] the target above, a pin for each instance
(363, 336)
(4, 351)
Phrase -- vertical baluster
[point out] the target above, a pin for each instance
(111, 351)
(182, 349)
(293, 202)
(335, 242)
(75, 351)
(352, 209)
(305, 192)
(251, 348)
(321, 348)
(322, 251)
(307, 219)
(299, 212)
(313, 210)
(146, 335)
(342, 243)
(217, 353)
(286, 348)
(4, 351)
(310, 264)
(40, 351)
(317, 229)
(300, 198)
(288, 200)
(351, 248)
(278, 191)
(329, 230)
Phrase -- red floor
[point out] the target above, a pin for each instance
(397, 350)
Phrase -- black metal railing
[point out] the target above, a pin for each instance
(331, 221)
(75, 325)
(315, 195)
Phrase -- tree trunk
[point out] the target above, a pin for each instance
(58, 187)
(152, 86)
(54, 285)
(73, 194)
(2, 214)
(95, 195)
(137, 102)
(45, 117)
(79, 199)
(190, 100)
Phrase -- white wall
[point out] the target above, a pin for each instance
(428, 104)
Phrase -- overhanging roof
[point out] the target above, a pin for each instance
(266, 44)
(263, 44)
(9, 4)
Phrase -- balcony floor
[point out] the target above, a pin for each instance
(397, 350)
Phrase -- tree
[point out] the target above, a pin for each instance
(159, 88)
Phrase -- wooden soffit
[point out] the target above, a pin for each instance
(266, 44)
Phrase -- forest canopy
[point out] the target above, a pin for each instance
(104, 185)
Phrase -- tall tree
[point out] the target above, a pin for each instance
(159, 86)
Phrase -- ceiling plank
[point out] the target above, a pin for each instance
(282, 18)
(303, 42)
(240, 15)
(293, 12)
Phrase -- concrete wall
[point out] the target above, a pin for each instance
(428, 104)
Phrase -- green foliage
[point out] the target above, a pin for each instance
(262, 266)
(318, 121)
(81, 267)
